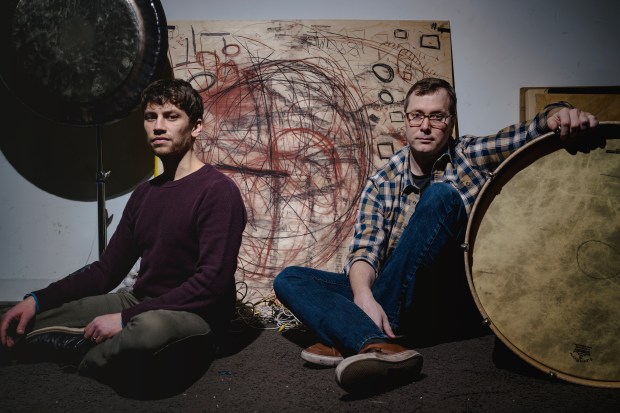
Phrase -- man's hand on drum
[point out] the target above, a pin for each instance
(572, 126)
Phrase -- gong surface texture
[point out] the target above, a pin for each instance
(546, 264)
(82, 62)
(70, 65)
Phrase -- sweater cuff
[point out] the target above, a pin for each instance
(36, 300)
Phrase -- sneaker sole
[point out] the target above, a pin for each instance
(320, 360)
(65, 345)
(56, 329)
(370, 372)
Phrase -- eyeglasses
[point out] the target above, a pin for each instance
(436, 120)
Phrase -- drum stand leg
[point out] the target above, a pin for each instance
(102, 213)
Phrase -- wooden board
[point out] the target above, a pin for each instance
(602, 101)
(299, 113)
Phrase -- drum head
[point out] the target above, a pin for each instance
(544, 259)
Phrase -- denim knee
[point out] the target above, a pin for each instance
(283, 281)
(441, 191)
(442, 195)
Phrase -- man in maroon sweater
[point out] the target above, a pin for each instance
(186, 227)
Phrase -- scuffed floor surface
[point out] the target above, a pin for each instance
(261, 371)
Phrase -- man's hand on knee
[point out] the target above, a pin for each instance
(376, 313)
(21, 313)
(104, 327)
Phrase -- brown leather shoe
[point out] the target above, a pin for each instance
(378, 367)
(322, 355)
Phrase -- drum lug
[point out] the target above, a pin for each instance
(486, 322)
(465, 246)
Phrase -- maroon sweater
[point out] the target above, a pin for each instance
(188, 233)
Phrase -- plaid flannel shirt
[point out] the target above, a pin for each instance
(390, 196)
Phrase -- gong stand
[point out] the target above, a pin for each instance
(85, 62)
(102, 213)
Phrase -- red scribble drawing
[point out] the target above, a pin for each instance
(295, 113)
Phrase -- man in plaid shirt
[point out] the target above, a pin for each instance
(411, 222)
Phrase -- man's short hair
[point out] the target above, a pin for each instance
(178, 92)
(430, 85)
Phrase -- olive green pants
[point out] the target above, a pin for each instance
(147, 332)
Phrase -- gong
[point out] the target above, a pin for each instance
(81, 63)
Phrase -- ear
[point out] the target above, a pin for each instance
(197, 128)
(453, 131)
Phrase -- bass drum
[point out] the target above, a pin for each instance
(543, 258)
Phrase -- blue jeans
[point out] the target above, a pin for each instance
(323, 301)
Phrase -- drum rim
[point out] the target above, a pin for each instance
(548, 143)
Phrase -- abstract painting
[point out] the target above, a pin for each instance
(299, 113)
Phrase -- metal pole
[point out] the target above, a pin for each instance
(102, 212)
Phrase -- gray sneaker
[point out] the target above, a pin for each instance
(378, 367)
(57, 343)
